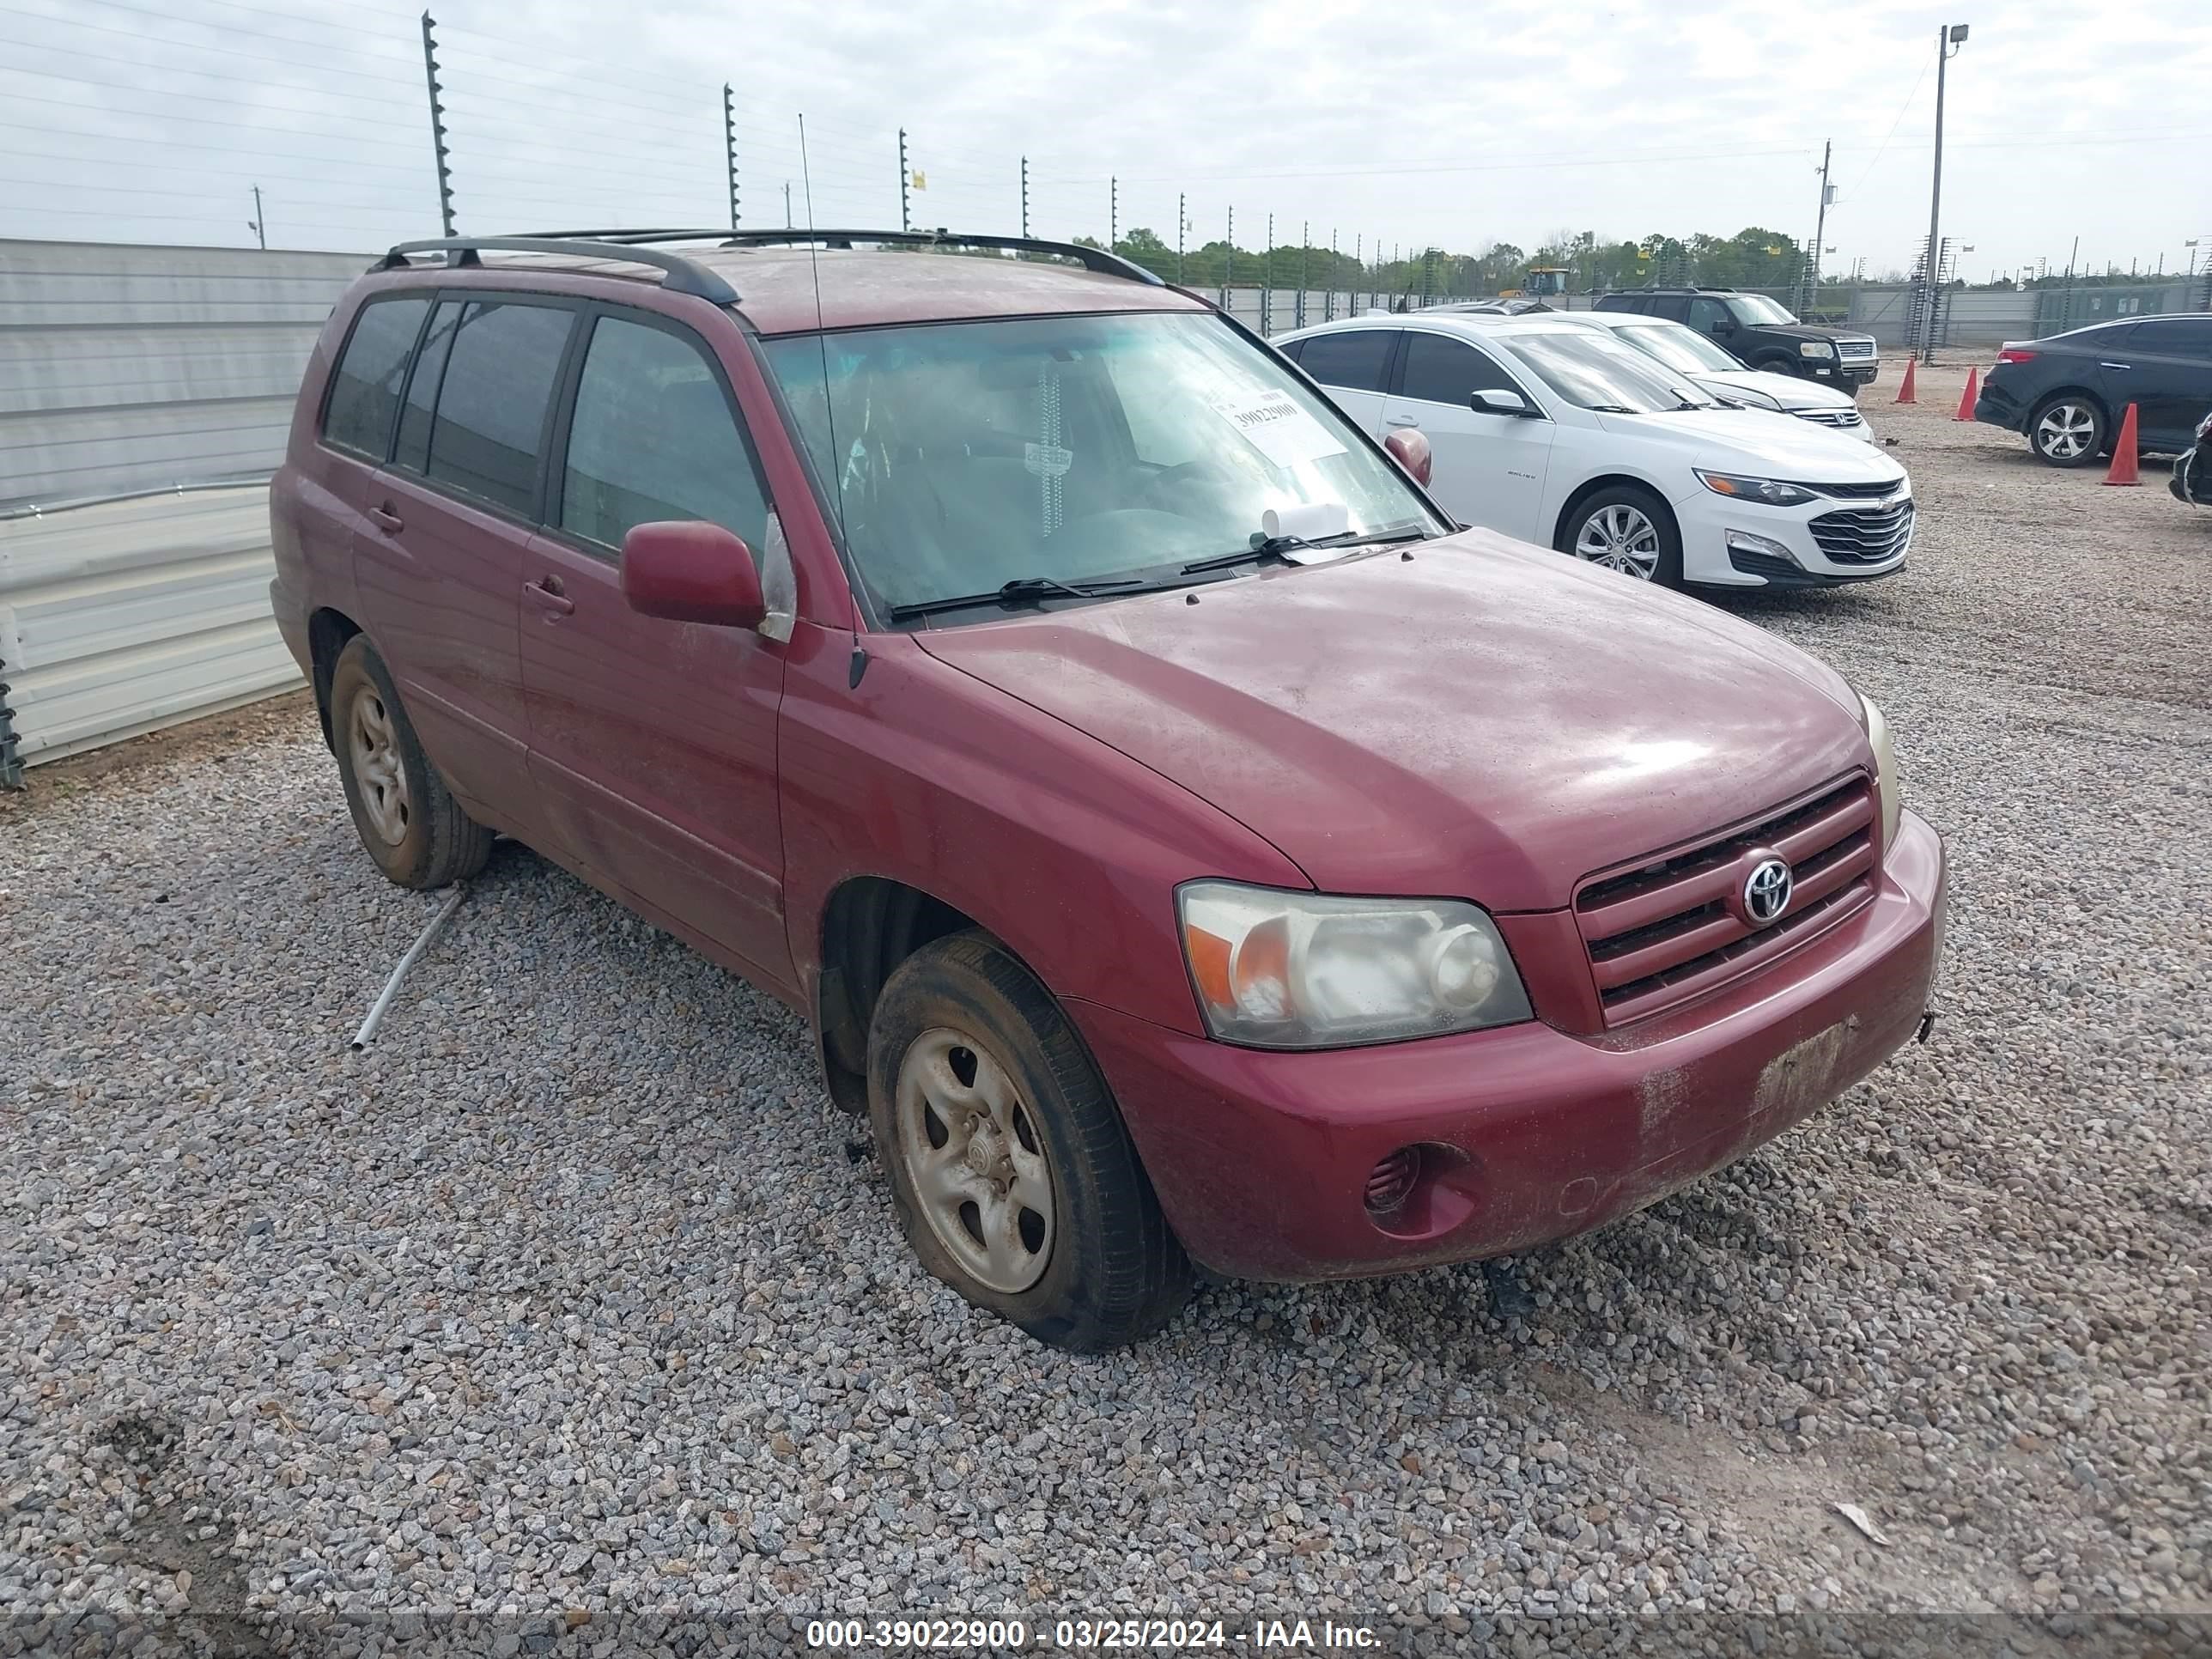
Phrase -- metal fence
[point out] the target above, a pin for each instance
(126, 371)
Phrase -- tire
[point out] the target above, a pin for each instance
(1592, 523)
(1779, 366)
(2068, 430)
(406, 819)
(966, 1042)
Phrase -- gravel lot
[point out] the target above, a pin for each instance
(573, 1292)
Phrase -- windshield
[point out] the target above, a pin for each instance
(963, 456)
(1679, 348)
(1759, 311)
(1593, 370)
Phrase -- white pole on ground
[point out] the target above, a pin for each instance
(391, 986)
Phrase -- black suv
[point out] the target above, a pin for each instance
(2066, 393)
(1759, 332)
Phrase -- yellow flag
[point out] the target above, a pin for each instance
(920, 178)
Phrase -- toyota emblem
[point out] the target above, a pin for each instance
(1766, 892)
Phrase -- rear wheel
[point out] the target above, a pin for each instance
(1626, 528)
(1012, 1175)
(407, 819)
(2067, 431)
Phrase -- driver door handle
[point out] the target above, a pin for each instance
(1401, 420)
(385, 519)
(2116, 364)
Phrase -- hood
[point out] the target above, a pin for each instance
(1759, 442)
(1786, 390)
(1484, 720)
(1810, 331)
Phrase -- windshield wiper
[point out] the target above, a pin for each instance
(1020, 591)
(1277, 547)
(1611, 408)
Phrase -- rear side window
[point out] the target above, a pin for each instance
(500, 371)
(413, 449)
(365, 388)
(1673, 307)
(1441, 371)
(652, 437)
(2179, 337)
(1293, 348)
(1354, 360)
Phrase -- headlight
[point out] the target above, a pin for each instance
(1746, 395)
(1305, 971)
(1885, 772)
(1816, 348)
(1773, 491)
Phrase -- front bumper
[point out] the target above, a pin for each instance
(1846, 374)
(1261, 1159)
(1731, 543)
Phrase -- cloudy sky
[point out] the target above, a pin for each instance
(1391, 121)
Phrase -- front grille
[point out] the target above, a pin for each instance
(1667, 930)
(1853, 492)
(1842, 417)
(1859, 349)
(1865, 535)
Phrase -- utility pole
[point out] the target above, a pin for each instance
(1328, 300)
(437, 122)
(259, 224)
(1949, 39)
(1268, 281)
(1182, 223)
(1820, 224)
(1305, 255)
(1228, 260)
(786, 204)
(906, 219)
(730, 151)
(1025, 196)
(1113, 213)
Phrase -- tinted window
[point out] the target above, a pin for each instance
(498, 380)
(1671, 306)
(1354, 360)
(1293, 348)
(365, 389)
(1441, 371)
(653, 438)
(1707, 315)
(413, 450)
(2182, 337)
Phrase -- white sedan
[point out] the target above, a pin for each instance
(1688, 352)
(1545, 428)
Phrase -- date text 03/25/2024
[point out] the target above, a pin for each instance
(1091, 1635)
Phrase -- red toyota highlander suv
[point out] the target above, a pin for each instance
(1183, 844)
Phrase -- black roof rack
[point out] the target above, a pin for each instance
(683, 275)
(1099, 260)
(688, 277)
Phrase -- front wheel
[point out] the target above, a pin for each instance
(1628, 529)
(1012, 1177)
(1779, 366)
(2067, 431)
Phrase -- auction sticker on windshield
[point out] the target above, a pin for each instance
(1274, 424)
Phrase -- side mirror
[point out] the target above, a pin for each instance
(1409, 447)
(1723, 325)
(1499, 402)
(691, 571)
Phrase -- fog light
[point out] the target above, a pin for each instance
(1742, 541)
(1390, 1183)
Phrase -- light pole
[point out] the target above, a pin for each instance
(1949, 39)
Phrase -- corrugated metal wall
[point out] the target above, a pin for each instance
(128, 368)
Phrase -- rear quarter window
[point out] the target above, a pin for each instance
(365, 387)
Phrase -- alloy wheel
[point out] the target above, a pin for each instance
(975, 1160)
(2066, 431)
(1620, 538)
(377, 769)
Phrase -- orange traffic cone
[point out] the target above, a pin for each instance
(1967, 398)
(1905, 392)
(2124, 452)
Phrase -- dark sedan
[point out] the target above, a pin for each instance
(2067, 394)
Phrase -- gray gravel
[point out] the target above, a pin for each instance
(573, 1291)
